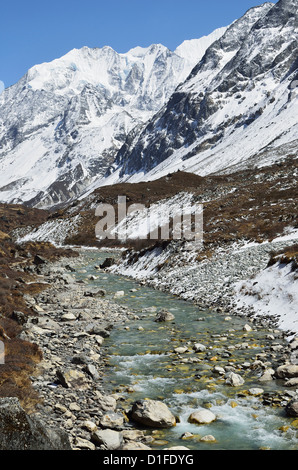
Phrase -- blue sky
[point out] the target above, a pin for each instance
(32, 32)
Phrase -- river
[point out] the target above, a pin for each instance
(143, 364)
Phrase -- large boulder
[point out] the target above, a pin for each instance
(152, 413)
(108, 439)
(292, 408)
(287, 371)
(19, 431)
(202, 416)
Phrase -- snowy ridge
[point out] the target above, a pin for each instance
(62, 124)
(237, 108)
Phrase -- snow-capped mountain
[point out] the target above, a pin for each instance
(237, 108)
(62, 124)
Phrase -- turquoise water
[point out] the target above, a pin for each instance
(143, 364)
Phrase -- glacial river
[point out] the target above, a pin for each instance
(143, 364)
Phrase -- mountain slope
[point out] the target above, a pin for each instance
(62, 124)
(237, 109)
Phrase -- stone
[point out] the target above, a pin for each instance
(135, 446)
(208, 438)
(89, 425)
(235, 380)
(292, 408)
(81, 443)
(287, 371)
(164, 315)
(198, 347)
(152, 413)
(20, 431)
(247, 328)
(292, 382)
(91, 370)
(72, 378)
(181, 349)
(68, 317)
(119, 293)
(108, 438)
(133, 434)
(106, 402)
(111, 420)
(108, 262)
(219, 370)
(267, 375)
(255, 391)
(202, 416)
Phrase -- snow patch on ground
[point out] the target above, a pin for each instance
(274, 292)
(53, 231)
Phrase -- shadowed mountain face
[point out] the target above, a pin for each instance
(237, 109)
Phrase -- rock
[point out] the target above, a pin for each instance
(287, 371)
(235, 380)
(101, 329)
(18, 431)
(89, 425)
(292, 382)
(255, 391)
(181, 350)
(219, 370)
(91, 370)
(202, 416)
(72, 378)
(81, 443)
(19, 317)
(267, 375)
(108, 438)
(39, 260)
(134, 446)
(292, 407)
(68, 317)
(164, 315)
(152, 413)
(133, 435)
(247, 328)
(208, 438)
(119, 293)
(80, 359)
(198, 347)
(107, 263)
(111, 420)
(106, 402)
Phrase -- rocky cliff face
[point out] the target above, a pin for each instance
(235, 110)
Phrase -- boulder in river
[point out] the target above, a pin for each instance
(202, 416)
(287, 371)
(292, 408)
(108, 262)
(164, 315)
(152, 413)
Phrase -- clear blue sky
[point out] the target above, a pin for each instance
(32, 32)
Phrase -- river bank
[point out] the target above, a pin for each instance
(74, 321)
(235, 278)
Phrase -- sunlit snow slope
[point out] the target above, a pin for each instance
(62, 124)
